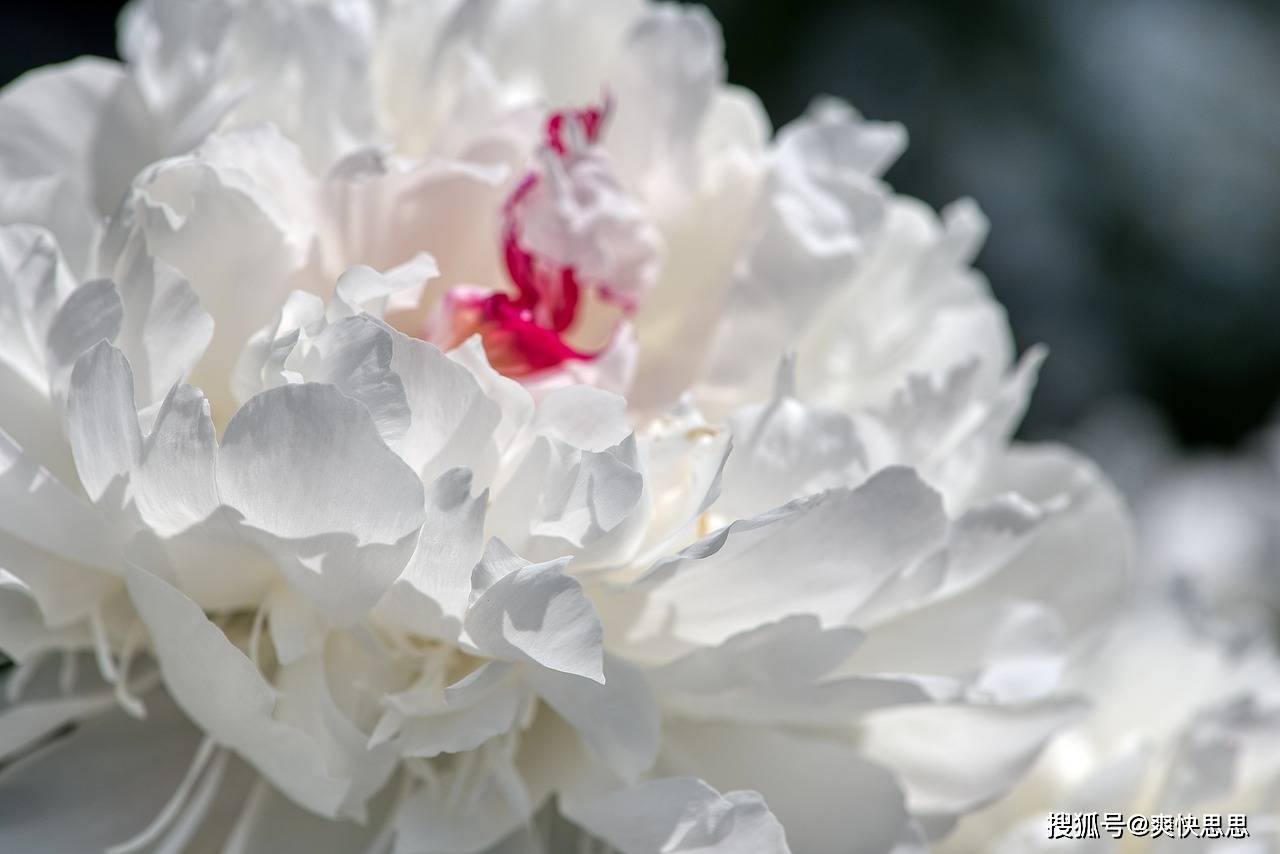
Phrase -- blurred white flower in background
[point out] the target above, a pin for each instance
(1183, 723)
(456, 427)
(1185, 690)
(1208, 521)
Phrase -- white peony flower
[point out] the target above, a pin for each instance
(460, 427)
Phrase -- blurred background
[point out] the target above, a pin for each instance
(1127, 153)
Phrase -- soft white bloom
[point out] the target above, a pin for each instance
(471, 421)
(1185, 690)
(1207, 521)
(1184, 723)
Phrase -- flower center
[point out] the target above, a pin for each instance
(565, 228)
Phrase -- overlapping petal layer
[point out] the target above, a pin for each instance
(755, 568)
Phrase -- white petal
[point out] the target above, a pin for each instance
(40, 509)
(55, 203)
(165, 329)
(223, 692)
(955, 428)
(260, 365)
(488, 702)
(97, 139)
(584, 417)
(989, 535)
(399, 289)
(491, 801)
(617, 718)
(92, 313)
(1088, 539)
(452, 420)
(66, 591)
(684, 461)
(304, 465)
(354, 354)
(857, 808)
(174, 484)
(581, 217)
(431, 596)
(777, 674)
(247, 190)
(838, 547)
(429, 826)
(672, 329)
(1026, 655)
(513, 400)
(834, 139)
(36, 283)
(23, 632)
(819, 214)
(914, 307)
(175, 492)
(306, 703)
(384, 213)
(670, 66)
(539, 614)
(562, 499)
(1075, 563)
(679, 815)
(952, 758)
(494, 799)
(102, 420)
(786, 449)
(311, 64)
(296, 627)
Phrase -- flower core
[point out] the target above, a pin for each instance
(527, 332)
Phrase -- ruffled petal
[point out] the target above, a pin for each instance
(821, 212)
(680, 815)
(92, 313)
(617, 717)
(857, 808)
(354, 354)
(562, 499)
(102, 420)
(96, 140)
(189, 535)
(785, 449)
(777, 674)
(23, 632)
(953, 758)
(165, 330)
(36, 284)
(431, 597)
(246, 189)
(339, 512)
(488, 702)
(225, 695)
(537, 613)
(452, 420)
(841, 547)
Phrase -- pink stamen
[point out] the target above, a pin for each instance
(590, 119)
(524, 333)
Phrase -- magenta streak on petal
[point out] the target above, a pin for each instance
(591, 119)
(523, 334)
